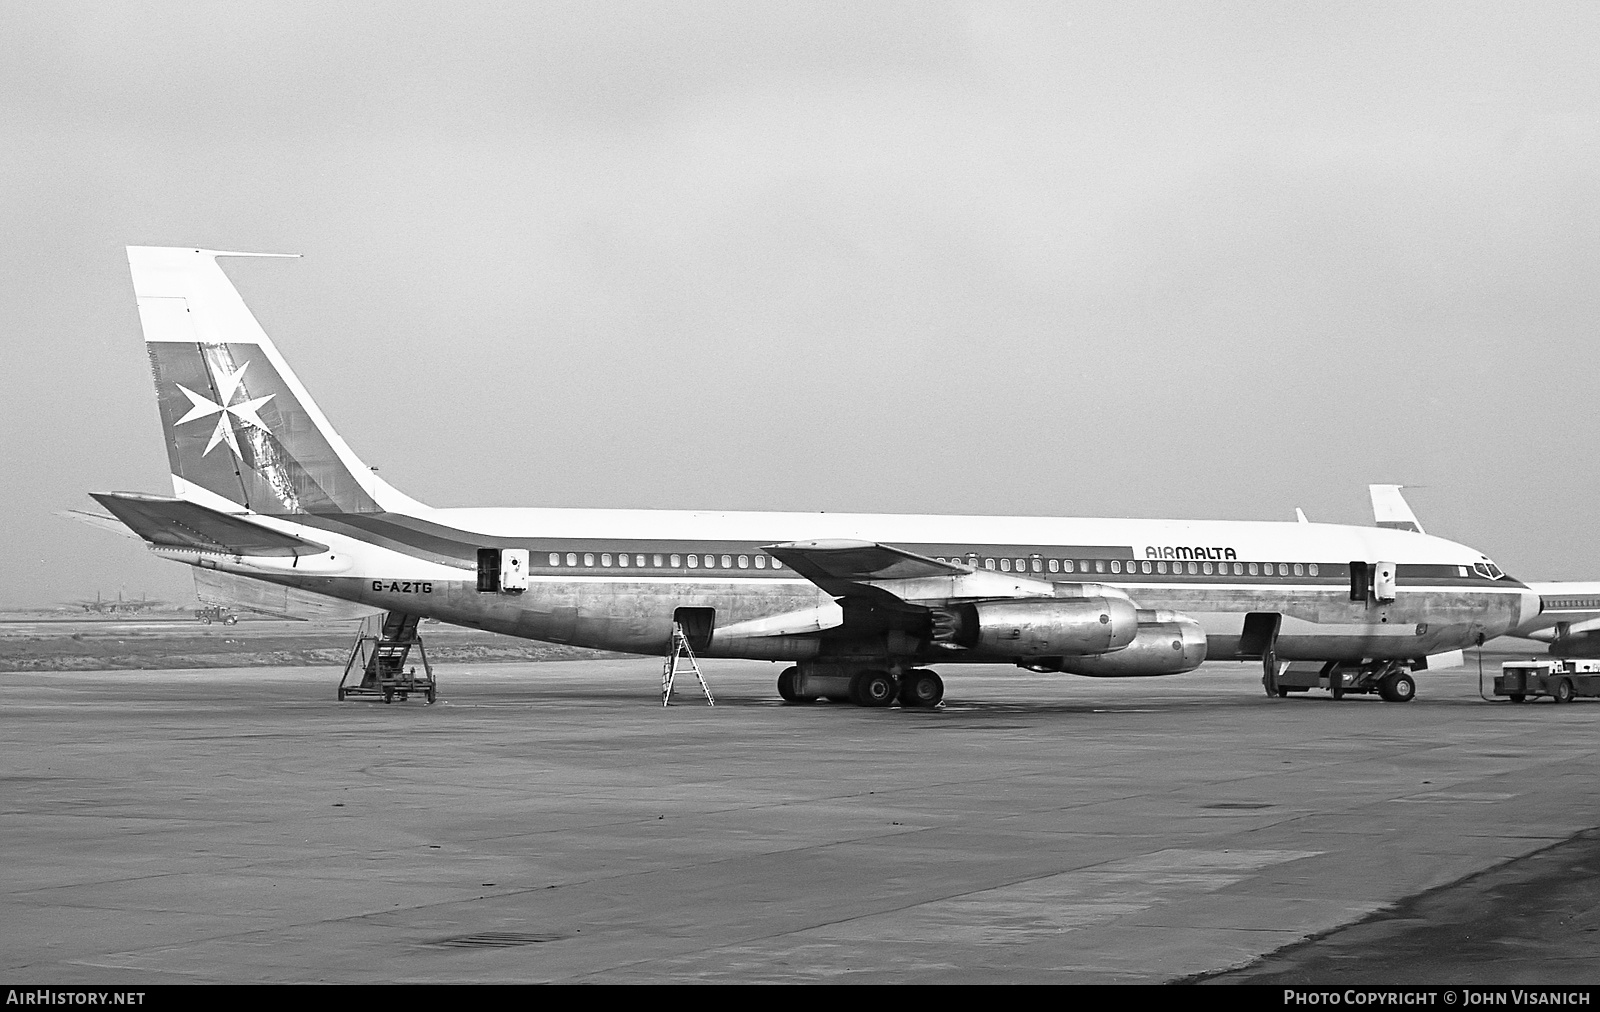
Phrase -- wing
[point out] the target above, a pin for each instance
(177, 523)
(888, 575)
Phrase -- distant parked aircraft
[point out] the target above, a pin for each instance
(102, 606)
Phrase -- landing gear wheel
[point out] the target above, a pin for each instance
(388, 697)
(1517, 697)
(787, 684)
(872, 688)
(231, 620)
(1283, 693)
(921, 689)
(341, 693)
(1269, 674)
(1562, 693)
(1337, 691)
(431, 697)
(1398, 687)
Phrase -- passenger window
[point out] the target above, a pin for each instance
(1253, 571)
(588, 558)
(555, 558)
(1145, 566)
(1116, 567)
(1055, 565)
(776, 564)
(1238, 569)
(1192, 569)
(727, 562)
(1312, 568)
(1299, 570)
(988, 563)
(1206, 567)
(694, 561)
(744, 562)
(605, 559)
(1005, 565)
(1283, 569)
(1038, 565)
(1161, 567)
(1066, 565)
(761, 562)
(1099, 565)
(711, 562)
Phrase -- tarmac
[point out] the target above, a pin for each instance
(553, 822)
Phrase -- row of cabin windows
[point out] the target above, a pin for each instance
(623, 560)
(1037, 565)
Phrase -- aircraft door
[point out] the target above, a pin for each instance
(514, 570)
(488, 570)
(1360, 580)
(1383, 581)
(697, 625)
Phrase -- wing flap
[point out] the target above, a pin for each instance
(177, 523)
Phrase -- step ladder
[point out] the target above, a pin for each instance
(679, 653)
(381, 650)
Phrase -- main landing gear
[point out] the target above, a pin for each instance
(917, 688)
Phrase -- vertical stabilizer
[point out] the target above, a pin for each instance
(239, 425)
(1390, 509)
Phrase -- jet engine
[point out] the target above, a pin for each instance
(1167, 643)
(1037, 628)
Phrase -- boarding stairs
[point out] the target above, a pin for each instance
(381, 650)
(680, 657)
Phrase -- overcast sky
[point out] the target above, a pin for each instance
(1187, 260)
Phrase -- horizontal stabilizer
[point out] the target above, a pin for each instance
(99, 520)
(177, 523)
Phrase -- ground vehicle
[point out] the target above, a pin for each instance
(215, 613)
(1392, 680)
(1561, 678)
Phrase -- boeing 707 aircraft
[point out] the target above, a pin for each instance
(859, 606)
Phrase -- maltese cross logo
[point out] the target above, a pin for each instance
(244, 411)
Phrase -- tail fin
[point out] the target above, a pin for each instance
(239, 426)
(1390, 509)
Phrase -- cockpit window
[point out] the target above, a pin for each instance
(1488, 570)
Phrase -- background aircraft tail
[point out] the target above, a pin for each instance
(239, 425)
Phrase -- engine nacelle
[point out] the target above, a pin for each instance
(1044, 627)
(1167, 643)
